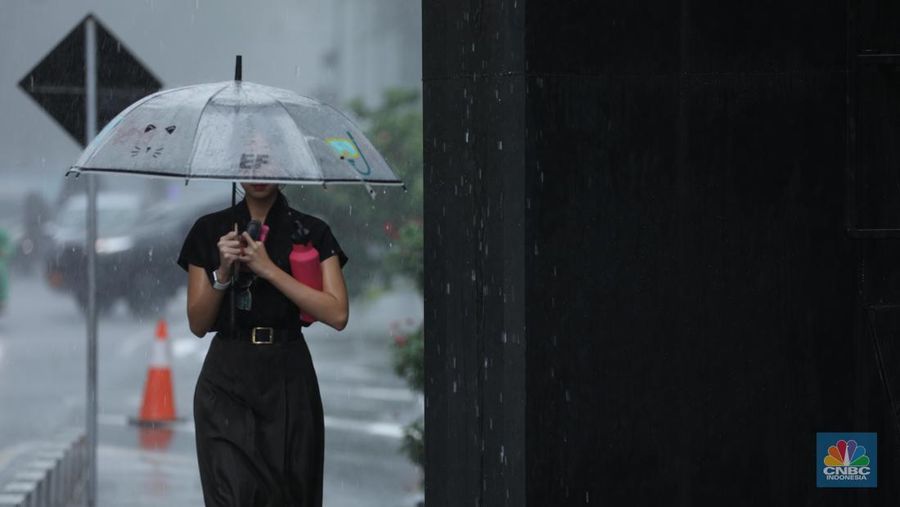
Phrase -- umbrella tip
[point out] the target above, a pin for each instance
(237, 68)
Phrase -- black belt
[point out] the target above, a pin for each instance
(263, 335)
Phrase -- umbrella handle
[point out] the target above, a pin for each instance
(234, 264)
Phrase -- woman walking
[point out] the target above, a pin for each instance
(257, 407)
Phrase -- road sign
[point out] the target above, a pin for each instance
(85, 81)
(57, 82)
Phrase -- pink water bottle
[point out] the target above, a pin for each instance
(305, 268)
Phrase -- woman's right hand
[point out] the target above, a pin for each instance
(229, 251)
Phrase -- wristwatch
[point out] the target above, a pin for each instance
(217, 284)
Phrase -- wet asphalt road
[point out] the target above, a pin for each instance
(43, 391)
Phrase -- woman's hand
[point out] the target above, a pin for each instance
(229, 251)
(256, 258)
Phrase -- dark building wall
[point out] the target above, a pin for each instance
(668, 219)
(474, 205)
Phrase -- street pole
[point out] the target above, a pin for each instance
(90, 50)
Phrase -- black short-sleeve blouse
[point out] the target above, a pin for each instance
(269, 306)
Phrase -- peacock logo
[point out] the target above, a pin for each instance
(847, 460)
(846, 453)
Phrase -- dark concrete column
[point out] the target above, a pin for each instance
(475, 202)
(640, 287)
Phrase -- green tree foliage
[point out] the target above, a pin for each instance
(367, 229)
(406, 256)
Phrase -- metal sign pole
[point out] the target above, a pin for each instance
(90, 50)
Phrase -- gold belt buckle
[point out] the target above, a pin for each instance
(268, 330)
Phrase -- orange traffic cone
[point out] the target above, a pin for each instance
(159, 400)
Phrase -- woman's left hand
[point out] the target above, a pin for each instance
(255, 257)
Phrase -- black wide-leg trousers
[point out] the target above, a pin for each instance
(259, 425)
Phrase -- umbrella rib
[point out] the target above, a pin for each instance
(190, 162)
(288, 113)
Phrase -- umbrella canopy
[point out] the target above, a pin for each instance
(236, 131)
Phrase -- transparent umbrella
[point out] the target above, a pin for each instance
(236, 131)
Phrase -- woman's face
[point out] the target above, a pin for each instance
(259, 190)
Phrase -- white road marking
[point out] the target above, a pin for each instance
(369, 393)
(374, 428)
(186, 346)
(124, 420)
(133, 458)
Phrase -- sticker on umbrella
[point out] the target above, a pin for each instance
(349, 151)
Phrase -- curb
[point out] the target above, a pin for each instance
(51, 474)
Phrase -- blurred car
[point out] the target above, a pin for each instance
(137, 245)
(4, 277)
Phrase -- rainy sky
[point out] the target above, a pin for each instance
(332, 50)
